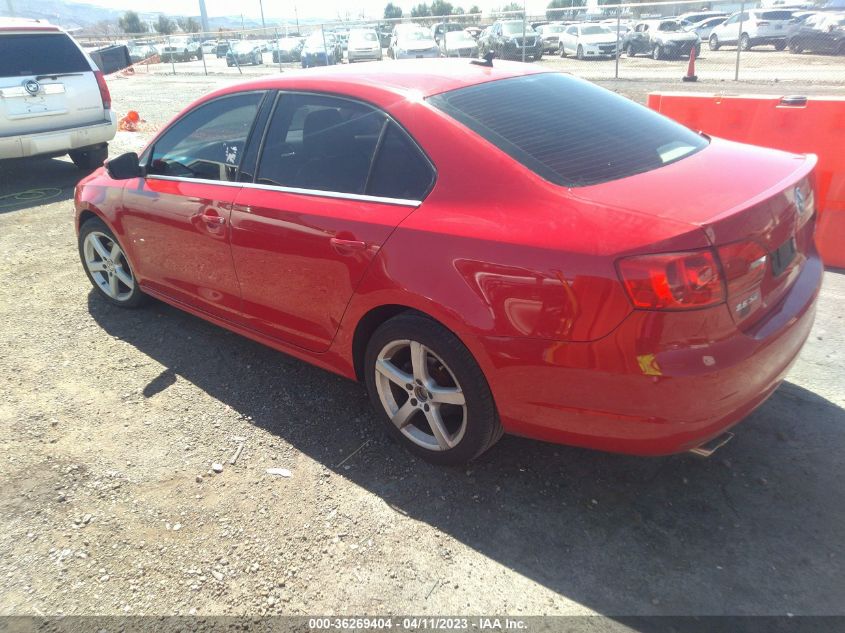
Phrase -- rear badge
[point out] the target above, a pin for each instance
(745, 305)
(31, 86)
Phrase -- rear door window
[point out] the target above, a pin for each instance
(400, 169)
(40, 54)
(567, 130)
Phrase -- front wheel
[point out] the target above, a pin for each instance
(106, 265)
(714, 43)
(562, 50)
(579, 52)
(745, 42)
(795, 47)
(657, 52)
(779, 46)
(429, 391)
(629, 51)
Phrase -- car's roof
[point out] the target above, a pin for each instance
(24, 24)
(421, 77)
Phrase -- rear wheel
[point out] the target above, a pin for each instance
(579, 52)
(657, 52)
(561, 50)
(745, 42)
(714, 43)
(89, 158)
(106, 265)
(795, 47)
(429, 391)
(779, 46)
(629, 51)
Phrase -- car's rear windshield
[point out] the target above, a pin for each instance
(39, 54)
(775, 15)
(567, 130)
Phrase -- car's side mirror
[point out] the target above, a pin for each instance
(124, 167)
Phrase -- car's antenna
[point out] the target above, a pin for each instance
(486, 61)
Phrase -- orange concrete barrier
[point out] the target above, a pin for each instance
(806, 125)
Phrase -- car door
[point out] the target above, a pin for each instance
(568, 38)
(176, 218)
(726, 32)
(334, 179)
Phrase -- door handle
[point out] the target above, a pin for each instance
(347, 247)
(211, 217)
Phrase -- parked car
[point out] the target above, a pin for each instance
(475, 31)
(222, 49)
(180, 49)
(622, 302)
(364, 45)
(287, 49)
(440, 28)
(587, 41)
(705, 27)
(342, 36)
(209, 46)
(758, 27)
(53, 98)
(458, 44)
(243, 53)
(505, 39)
(412, 42)
(140, 52)
(550, 34)
(661, 39)
(694, 17)
(821, 33)
(320, 49)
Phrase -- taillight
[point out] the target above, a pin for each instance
(672, 281)
(762, 23)
(105, 95)
(744, 264)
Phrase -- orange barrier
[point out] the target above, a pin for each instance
(797, 124)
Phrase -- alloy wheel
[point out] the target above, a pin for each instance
(421, 395)
(108, 266)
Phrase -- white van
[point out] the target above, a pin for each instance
(53, 99)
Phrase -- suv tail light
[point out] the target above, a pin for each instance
(744, 264)
(105, 95)
(673, 281)
(762, 23)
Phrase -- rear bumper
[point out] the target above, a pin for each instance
(655, 385)
(769, 39)
(426, 54)
(58, 142)
(359, 56)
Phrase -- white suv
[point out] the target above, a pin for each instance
(761, 26)
(53, 100)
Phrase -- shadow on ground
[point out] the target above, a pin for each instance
(756, 529)
(22, 182)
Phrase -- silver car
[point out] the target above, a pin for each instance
(363, 45)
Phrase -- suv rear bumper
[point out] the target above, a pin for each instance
(57, 142)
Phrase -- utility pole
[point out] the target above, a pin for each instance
(296, 15)
(11, 8)
(261, 6)
(203, 16)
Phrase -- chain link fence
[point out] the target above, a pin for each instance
(731, 41)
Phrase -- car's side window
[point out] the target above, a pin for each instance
(209, 141)
(321, 143)
(400, 170)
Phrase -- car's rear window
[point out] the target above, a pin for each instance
(39, 54)
(775, 15)
(568, 130)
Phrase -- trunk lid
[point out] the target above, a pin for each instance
(46, 83)
(736, 194)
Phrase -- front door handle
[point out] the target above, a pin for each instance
(211, 217)
(347, 247)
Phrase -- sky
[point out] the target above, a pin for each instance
(284, 9)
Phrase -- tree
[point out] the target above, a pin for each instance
(458, 11)
(474, 9)
(130, 22)
(164, 25)
(189, 25)
(392, 12)
(441, 7)
(422, 10)
(513, 7)
(557, 4)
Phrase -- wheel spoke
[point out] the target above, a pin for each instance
(124, 277)
(113, 286)
(115, 252)
(418, 362)
(98, 246)
(403, 416)
(393, 373)
(447, 395)
(95, 267)
(435, 421)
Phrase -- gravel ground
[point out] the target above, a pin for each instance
(111, 420)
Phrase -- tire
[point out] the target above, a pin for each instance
(698, 51)
(713, 43)
(745, 42)
(579, 52)
(840, 50)
(795, 47)
(561, 50)
(629, 51)
(115, 281)
(657, 52)
(466, 430)
(89, 158)
(779, 46)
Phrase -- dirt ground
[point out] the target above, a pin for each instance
(110, 421)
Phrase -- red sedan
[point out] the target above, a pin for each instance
(489, 249)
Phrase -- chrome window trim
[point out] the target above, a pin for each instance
(293, 190)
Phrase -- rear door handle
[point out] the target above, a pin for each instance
(347, 247)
